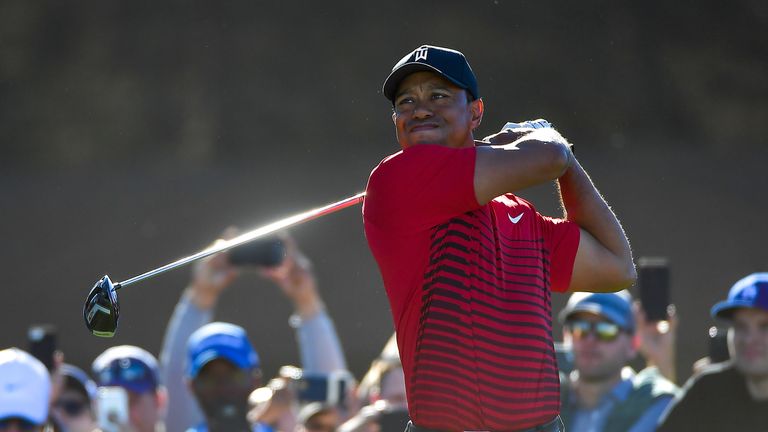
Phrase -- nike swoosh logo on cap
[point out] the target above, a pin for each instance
(515, 219)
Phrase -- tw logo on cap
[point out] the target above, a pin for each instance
(420, 54)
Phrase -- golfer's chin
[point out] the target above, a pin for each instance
(426, 136)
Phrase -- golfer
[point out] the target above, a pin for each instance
(469, 267)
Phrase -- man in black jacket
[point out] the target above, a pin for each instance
(731, 396)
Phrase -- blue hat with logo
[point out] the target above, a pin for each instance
(127, 366)
(616, 307)
(448, 63)
(749, 292)
(220, 340)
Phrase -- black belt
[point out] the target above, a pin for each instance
(554, 425)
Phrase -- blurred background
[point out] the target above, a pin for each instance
(133, 133)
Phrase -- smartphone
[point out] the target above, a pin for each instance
(653, 284)
(41, 339)
(112, 408)
(267, 252)
(330, 388)
(718, 345)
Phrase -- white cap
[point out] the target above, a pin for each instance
(25, 386)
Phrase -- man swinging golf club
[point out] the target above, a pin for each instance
(469, 267)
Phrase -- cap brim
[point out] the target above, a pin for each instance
(725, 309)
(398, 75)
(208, 356)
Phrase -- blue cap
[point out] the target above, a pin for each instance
(127, 366)
(616, 307)
(448, 63)
(220, 340)
(749, 292)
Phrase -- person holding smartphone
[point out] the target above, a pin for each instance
(732, 395)
(25, 389)
(602, 393)
(134, 373)
(223, 368)
(291, 270)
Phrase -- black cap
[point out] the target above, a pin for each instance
(448, 63)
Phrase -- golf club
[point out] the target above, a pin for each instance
(102, 309)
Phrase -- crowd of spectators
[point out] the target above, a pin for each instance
(207, 377)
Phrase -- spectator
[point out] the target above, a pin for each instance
(25, 391)
(293, 397)
(223, 369)
(73, 408)
(135, 370)
(731, 396)
(383, 388)
(602, 394)
(385, 379)
(318, 341)
(318, 417)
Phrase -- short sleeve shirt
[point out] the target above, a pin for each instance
(469, 288)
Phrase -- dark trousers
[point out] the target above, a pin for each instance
(555, 425)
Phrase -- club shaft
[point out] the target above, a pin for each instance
(250, 236)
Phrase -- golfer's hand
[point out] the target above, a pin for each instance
(211, 275)
(297, 280)
(512, 131)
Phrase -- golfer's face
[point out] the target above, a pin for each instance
(431, 110)
(749, 341)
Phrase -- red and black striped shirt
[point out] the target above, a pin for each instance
(469, 287)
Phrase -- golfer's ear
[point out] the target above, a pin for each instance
(394, 116)
(477, 107)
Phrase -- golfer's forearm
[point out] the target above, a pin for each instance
(584, 205)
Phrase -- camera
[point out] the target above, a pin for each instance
(266, 252)
(330, 388)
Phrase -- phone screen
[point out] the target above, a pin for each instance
(653, 283)
(329, 388)
(42, 343)
(112, 408)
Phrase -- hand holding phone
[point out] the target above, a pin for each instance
(330, 388)
(42, 343)
(112, 408)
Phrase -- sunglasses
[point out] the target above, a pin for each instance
(602, 330)
(21, 424)
(72, 407)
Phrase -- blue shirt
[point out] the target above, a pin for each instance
(593, 420)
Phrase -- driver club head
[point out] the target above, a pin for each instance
(102, 310)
